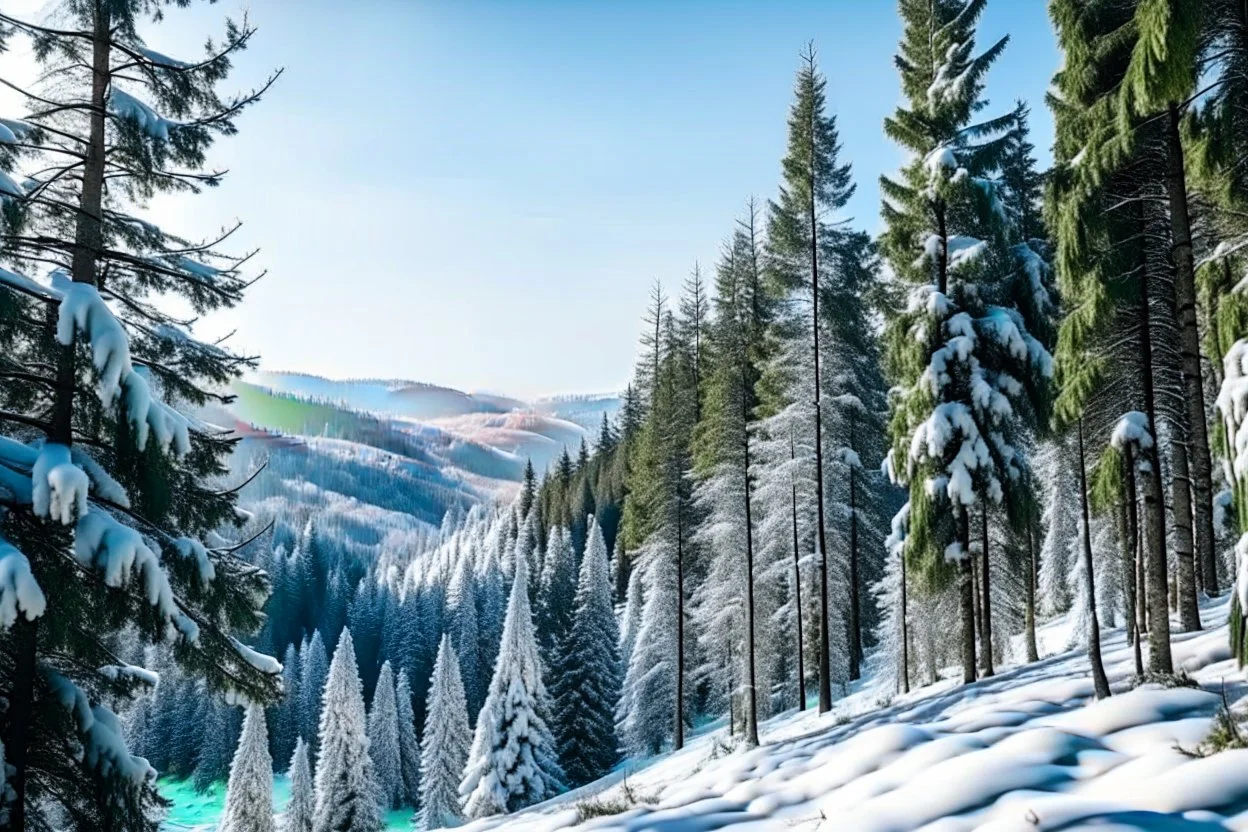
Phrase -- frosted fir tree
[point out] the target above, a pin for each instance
(513, 761)
(462, 624)
(630, 617)
(346, 788)
(557, 591)
(313, 674)
(285, 715)
(1060, 520)
(409, 748)
(587, 690)
(300, 810)
(249, 795)
(648, 701)
(444, 751)
(970, 372)
(383, 740)
(110, 490)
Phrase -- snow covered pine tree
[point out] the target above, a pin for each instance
(444, 751)
(346, 789)
(249, 795)
(103, 492)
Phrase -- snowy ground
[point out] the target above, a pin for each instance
(1026, 750)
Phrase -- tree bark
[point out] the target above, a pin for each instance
(1099, 682)
(1200, 462)
(1159, 659)
(678, 735)
(751, 724)
(905, 631)
(825, 668)
(855, 610)
(1033, 650)
(1132, 545)
(967, 584)
(1185, 579)
(797, 590)
(985, 626)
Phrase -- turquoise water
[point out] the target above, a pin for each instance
(200, 812)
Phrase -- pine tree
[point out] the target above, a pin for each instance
(100, 459)
(461, 603)
(218, 731)
(249, 796)
(409, 748)
(513, 760)
(312, 677)
(383, 740)
(285, 715)
(444, 750)
(630, 619)
(587, 689)
(558, 590)
(299, 813)
(346, 786)
(963, 353)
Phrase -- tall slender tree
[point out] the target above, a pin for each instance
(249, 795)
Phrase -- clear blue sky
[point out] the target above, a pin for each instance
(479, 194)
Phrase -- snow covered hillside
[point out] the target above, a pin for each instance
(1028, 749)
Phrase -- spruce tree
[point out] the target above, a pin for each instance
(285, 715)
(444, 749)
(313, 674)
(299, 813)
(558, 590)
(587, 688)
(962, 353)
(409, 748)
(99, 459)
(461, 611)
(346, 785)
(513, 760)
(249, 796)
(383, 740)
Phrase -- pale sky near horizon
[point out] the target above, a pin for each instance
(479, 194)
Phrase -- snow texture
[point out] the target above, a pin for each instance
(19, 592)
(59, 487)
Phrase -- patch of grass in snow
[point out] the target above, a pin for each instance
(1165, 680)
(1225, 735)
(600, 805)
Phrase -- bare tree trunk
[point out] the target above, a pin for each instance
(1099, 682)
(905, 631)
(1033, 650)
(855, 610)
(1200, 463)
(797, 590)
(1131, 544)
(967, 583)
(751, 724)
(678, 736)
(1185, 577)
(985, 626)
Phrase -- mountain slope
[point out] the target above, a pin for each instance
(1025, 750)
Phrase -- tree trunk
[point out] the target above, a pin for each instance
(986, 606)
(20, 716)
(1131, 556)
(1159, 660)
(797, 590)
(1099, 682)
(967, 582)
(855, 609)
(1185, 579)
(1200, 463)
(825, 668)
(1029, 615)
(678, 736)
(905, 631)
(751, 719)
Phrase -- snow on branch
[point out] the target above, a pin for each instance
(19, 592)
(59, 487)
(103, 739)
(264, 663)
(130, 672)
(128, 108)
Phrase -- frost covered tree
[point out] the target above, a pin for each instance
(106, 499)
(461, 613)
(409, 748)
(513, 762)
(968, 368)
(346, 785)
(630, 617)
(285, 715)
(300, 811)
(447, 740)
(383, 740)
(557, 590)
(587, 690)
(816, 185)
(249, 795)
(313, 673)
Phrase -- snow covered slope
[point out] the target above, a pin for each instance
(1026, 750)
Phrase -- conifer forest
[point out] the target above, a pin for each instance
(935, 519)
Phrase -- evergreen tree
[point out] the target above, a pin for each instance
(558, 590)
(409, 748)
(285, 715)
(963, 353)
(99, 459)
(816, 186)
(444, 750)
(300, 811)
(587, 688)
(249, 796)
(513, 761)
(461, 604)
(218, 731)
(313, 674)
(346, 785)
(383, 740)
